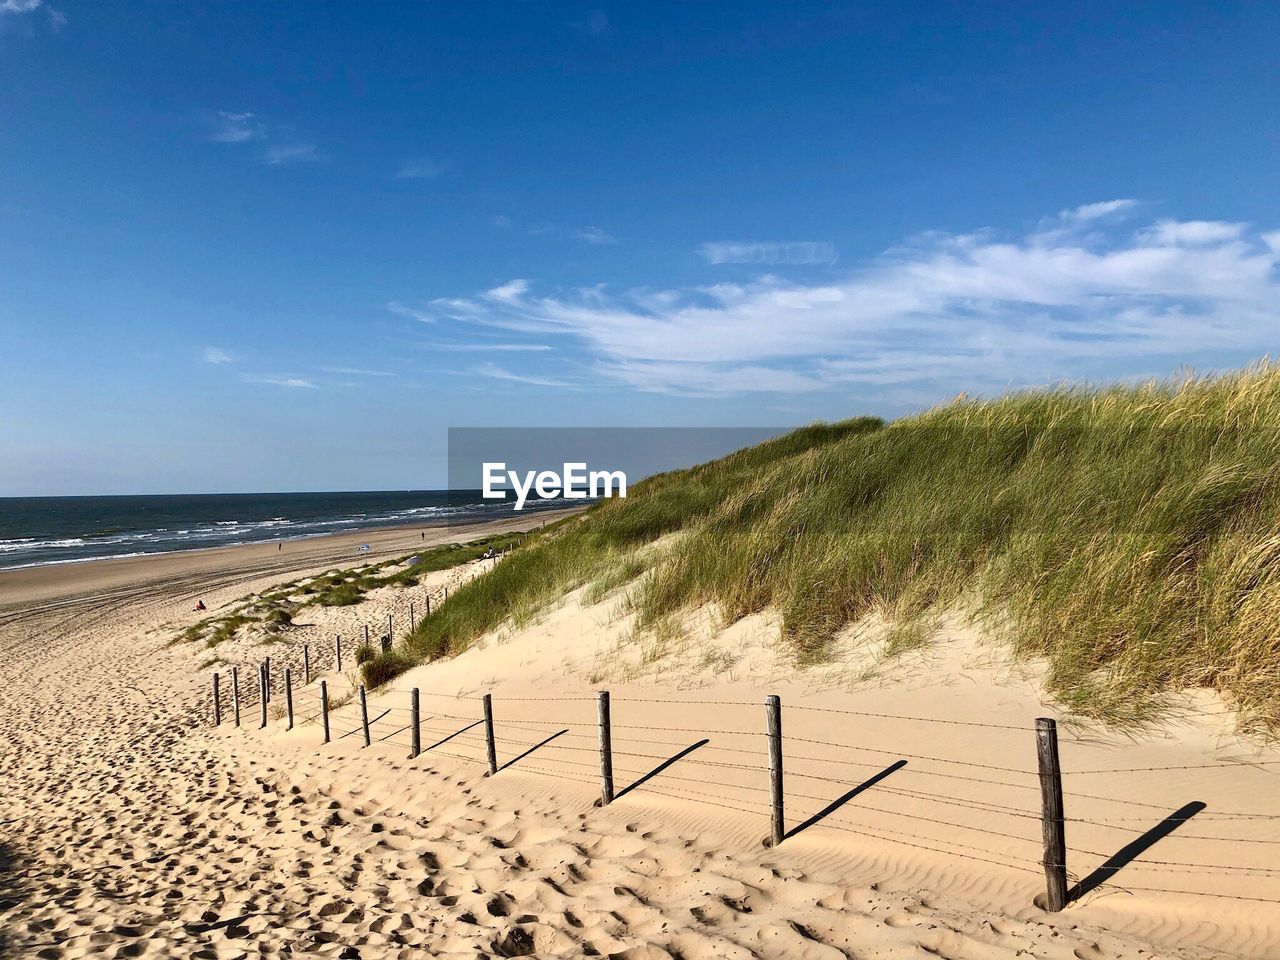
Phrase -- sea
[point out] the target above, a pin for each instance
(47, 530)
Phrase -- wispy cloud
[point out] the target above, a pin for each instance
(358, 372)
(239, 127)
(495, 372)
(974, 311)
(282, 145)
(588, 234)
(490, 347)
(509, 292)
(280, 381)
(794, 254)
(292, 153)
(1097, 211)
(596, 236)
(55, 19)
(412, 313)
(420, 169)
(216, 355)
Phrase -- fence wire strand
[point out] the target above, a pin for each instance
(752, 797)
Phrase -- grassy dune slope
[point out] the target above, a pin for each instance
(1130, 536)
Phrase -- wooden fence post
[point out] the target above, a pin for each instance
(266, 662)
(428, 604)
(386, 643)
(288, 697)
(366, 634)
(415, 720)
(262, 694)
(306, 664)
(337, 653)
(490, 744)
(412, 622)
(1055, 841)
(217, 703)
(324, 708)
(364, 715)
(235, 693)
(606, 748)
(773, 714)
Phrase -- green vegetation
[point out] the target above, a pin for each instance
(345, 594)
(279, 617)
(276, 608)
(226, 627)
(381, 668)
(341, 590)
(1130, 536)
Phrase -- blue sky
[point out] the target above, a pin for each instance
(284, 246)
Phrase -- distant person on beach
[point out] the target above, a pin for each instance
(200, 605)
(279, 546)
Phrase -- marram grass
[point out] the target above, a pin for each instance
(1129, 536)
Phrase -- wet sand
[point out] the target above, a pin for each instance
(52, 581)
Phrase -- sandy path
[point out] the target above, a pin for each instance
(122, 830)
(131, 829)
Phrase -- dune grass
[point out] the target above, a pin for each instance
(276, 608)
(1130, 536)
(341, 590)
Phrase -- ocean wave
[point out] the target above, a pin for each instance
(106, 536)
(110, 556)
(30, 543)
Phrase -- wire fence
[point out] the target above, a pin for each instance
(1019, 817)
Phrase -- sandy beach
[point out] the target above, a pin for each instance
(132, 827)
(212, 567)
(642, 481)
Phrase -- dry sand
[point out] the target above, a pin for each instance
(130, 828)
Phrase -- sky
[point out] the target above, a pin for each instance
(275, 246)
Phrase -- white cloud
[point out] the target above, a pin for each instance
(490, 347)
(19, 6)
(234, 127)
(420, 169)
(216, 355)
(1097, 211)
(509, 292)
(693, 379)
(792, 254)
(495, 372)
(588, 234)
(1192, 233)
(954, 311)
(284, 154)
(595, 236)
(400, 310)
(358, 372)
(281, 381)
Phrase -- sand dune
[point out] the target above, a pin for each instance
(131, 828)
